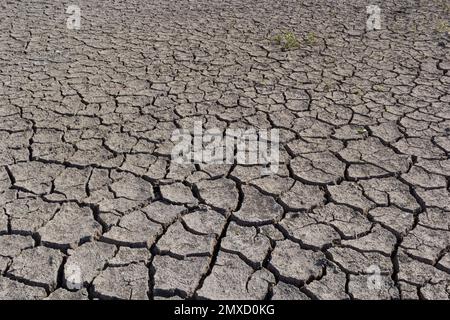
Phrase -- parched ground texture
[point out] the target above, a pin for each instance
(88, 189)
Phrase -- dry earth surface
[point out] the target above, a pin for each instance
(86, 179)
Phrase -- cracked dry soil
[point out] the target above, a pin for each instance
(87, 182)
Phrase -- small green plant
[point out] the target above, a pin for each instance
(290, 41)
(278, 39)
(361, 130)
(379, 88)
(287, 39)
(311, 38)
(443, 27)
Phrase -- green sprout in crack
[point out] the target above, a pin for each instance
(288, 40)
(361, 130)
(443, 27)
(379, 88)
(278, 39)
(311, 38)
(291, 41)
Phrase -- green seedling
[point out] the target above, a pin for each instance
(361, 131)
(291, 41)
(278, 39)
(443, 27)
(311, 38)
(379, 88)
(288, 40)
